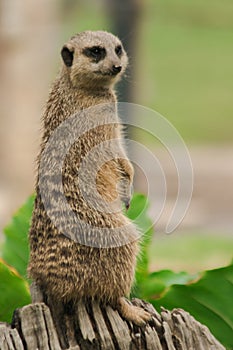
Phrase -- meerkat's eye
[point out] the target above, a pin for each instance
(96, 52)
(118, 50)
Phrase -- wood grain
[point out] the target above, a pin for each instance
(95, 327)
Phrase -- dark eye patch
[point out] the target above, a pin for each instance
(97, 53)
(118, 50)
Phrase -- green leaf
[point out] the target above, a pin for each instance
(138, 213)
(169, 277)
(209, 300)
(15, 250)
(158, 282)
(14, 291)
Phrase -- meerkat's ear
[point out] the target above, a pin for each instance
(67, 55)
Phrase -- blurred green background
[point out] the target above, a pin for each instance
(181, 67)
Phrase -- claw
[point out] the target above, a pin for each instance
(127, 204)
(136, 314)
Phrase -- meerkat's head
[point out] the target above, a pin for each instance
(93, 59)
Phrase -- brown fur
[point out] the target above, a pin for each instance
(62, 268)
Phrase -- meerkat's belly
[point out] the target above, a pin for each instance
(75, 271)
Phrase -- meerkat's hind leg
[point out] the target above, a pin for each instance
(36, 293)
(133, 313)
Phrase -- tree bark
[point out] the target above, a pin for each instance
(102, 328)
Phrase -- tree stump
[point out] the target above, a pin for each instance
(102, 328)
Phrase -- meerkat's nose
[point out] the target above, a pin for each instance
(116, 69)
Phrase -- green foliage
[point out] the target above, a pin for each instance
(207, 296)
(14, 291)
(208, 299)
(138, 213)
(15, 250)
(157, 283)
(14, 288)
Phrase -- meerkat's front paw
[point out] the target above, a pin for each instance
(133, 313)
(125, 191)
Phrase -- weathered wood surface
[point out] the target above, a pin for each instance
(97, 328)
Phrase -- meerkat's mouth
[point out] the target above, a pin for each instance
(108, 73)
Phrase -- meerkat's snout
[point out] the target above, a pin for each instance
(116, 69)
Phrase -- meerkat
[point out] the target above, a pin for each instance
(64, 269)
